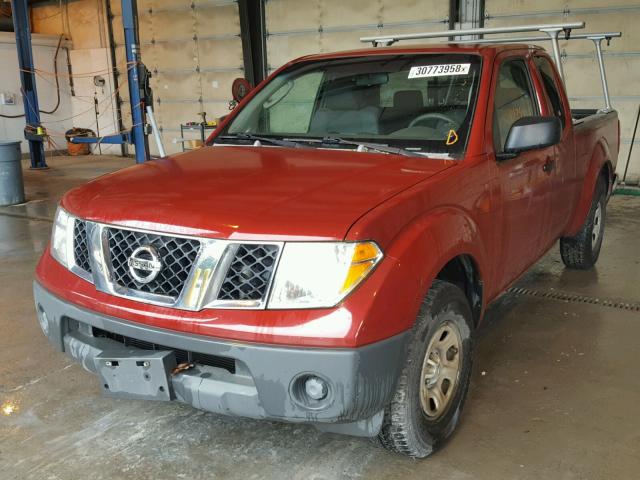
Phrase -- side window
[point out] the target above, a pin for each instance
(550, 86)
(291, 106)
(513, 100)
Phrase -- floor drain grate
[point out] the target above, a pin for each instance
(575, 298)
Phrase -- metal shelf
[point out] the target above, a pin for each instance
(200, 127)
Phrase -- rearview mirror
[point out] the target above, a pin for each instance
(372, 79)
(529, 133)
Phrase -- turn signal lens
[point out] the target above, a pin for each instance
(365, 251)
(365, 256)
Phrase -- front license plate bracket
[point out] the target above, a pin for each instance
(140, 375)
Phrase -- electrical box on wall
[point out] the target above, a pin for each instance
(7, 98)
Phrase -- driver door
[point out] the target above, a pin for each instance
(525, 187)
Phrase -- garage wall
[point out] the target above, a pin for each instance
(84, 23)
(193, 50)
(622, 57)
(296, 27)
(44, 47)
(88, 62)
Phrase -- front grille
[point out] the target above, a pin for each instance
(81, 245)
(249, 273)
(182, 356)
(177, 256)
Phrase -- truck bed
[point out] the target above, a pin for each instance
(593, 118)
(590, 128)
(581, 113)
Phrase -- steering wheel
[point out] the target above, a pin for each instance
(431, 116)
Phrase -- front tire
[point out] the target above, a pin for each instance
(432, 387)
(581, 251)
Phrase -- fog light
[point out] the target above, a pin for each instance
(311, 391)
(43, 320)
(316, 388)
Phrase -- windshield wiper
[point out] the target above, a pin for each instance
(273, 141)
(364, 146)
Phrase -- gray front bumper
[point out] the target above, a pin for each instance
(361, 380)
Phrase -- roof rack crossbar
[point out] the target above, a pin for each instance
(391, 39)
(576, 36)
(595, 37)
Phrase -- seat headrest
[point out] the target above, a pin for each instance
(351, 99)
(408, 99)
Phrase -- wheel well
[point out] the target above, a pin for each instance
(463, 272)
(607, 174)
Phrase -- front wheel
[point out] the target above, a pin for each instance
(582, 250)
(432, 387)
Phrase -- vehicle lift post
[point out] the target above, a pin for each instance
(132, 47)
(22, 29)
(138, 89)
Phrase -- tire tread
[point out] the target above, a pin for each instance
(576, 251)
(395, 434)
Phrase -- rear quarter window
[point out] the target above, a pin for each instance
(551, 87)
(513, 100)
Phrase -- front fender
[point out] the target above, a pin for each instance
(422, 248)
(599, 159)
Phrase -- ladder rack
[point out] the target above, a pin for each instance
(552, 30)
(552, 34)
(596, 38)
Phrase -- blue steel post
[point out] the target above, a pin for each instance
(132, 46)
(22, 29)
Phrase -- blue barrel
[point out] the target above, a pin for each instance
(11, 184)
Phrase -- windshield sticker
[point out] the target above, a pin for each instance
(452, 137)
(439, 70)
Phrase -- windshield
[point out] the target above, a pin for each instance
(420, 102)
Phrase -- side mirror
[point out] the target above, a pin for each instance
(529, 133)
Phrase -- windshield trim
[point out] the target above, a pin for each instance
(339, 148)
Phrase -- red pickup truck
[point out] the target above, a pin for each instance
(328, 255)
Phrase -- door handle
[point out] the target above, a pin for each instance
(549, 165)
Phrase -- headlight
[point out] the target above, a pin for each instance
(62, 236)
(321, 274)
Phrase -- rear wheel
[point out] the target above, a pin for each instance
(582, 250)
(432, 387)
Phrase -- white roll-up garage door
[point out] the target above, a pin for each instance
(193, 50)
(622, 57)
(296, 28)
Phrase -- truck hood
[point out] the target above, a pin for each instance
(250, 193)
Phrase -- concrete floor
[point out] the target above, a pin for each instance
(555, 392)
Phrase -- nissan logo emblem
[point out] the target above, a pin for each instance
(144, 264)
